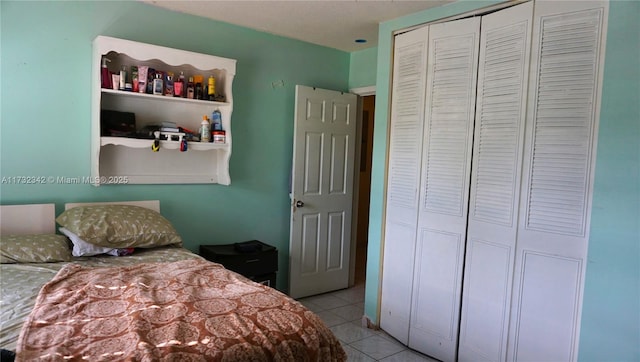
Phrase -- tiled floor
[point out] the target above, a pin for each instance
(342, 312)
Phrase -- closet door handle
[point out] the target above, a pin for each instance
(299, 203)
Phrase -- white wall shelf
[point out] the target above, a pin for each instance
(160, 98)
(164, 144)
(206, 163)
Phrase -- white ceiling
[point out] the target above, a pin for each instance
(334, 24)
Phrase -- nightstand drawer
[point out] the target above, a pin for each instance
(262, 261)
(266, 279)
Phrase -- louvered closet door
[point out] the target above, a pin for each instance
(444, 192)
(503, 70)
(553, 231)
(403, 179)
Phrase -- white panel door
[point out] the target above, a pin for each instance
(503, 70)
(322, 191)
(444, 192)
(561, 131)
(403, 180)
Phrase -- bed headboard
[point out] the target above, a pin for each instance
(41, 218)
(27, 219)
(149, 204)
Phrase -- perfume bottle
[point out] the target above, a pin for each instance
(179, 86)
(190, 89)
(158, 84)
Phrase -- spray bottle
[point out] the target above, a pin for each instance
(105, 74)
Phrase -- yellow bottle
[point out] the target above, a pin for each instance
(211, 89)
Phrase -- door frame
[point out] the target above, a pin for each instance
(360, 92)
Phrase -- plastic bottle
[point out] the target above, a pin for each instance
(198, 88)
(205, 130)
(216, 120)
(123, 77)
(183, 94)
(211, 88)
(134, 78)
(106, 76)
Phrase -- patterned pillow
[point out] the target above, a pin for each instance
(119, 226)
(41, 248)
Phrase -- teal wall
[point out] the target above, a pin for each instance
(45, 113)
(611, 310)
(362, 68)
(610, 329)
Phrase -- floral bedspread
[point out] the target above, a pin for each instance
(191, 310)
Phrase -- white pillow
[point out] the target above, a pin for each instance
(82, 248)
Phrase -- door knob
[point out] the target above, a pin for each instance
(299, 203)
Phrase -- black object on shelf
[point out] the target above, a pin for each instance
(253, 259)
(117, 124)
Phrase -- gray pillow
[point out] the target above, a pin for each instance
(119, 226)
(37, 248)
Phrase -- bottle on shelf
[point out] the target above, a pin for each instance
(198, 80)
(178, 86)
(168, 84)
(105, 74)
(143, 72)
(211, 89)
(190, 89)
(151, 76)
(134, 78)
(158, 86)
(123, 77)
(205, 130)
(216, 120)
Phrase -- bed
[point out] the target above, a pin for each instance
(160, 303)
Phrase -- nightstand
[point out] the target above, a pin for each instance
(253, 259)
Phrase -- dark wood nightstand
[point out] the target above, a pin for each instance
(253, 259)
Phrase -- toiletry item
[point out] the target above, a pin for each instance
(216, 120)
(134, 78)
(150, 77)
(219, 136)
(128, 87)
(183, 94)
(178, 86)
(123, 77)
(198, 87)
(168, 84)
(211, 89)
(158, 86)
(205, 130)
(190, 89)
(143, 70)
(115, 81)
(105, 74)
